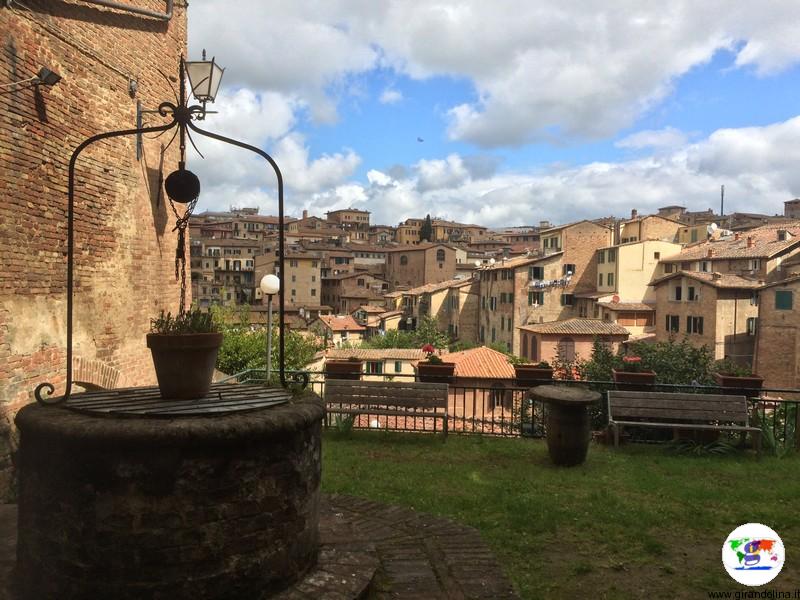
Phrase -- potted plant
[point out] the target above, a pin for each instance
(184, 349)
(350, 368)
(736, 379)
(632, 376)
(434, 369)
(528, 374)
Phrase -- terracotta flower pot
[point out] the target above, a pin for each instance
(642, 381)
(343, 369)
(436, 372)
(184, 363)
(530, 375)
(739, 386)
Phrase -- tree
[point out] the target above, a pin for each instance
(426, 231)
(428, 332)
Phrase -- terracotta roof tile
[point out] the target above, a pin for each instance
(627, 306)
(718, 280)
(765, 244)
(480, 363)
(341, 323)
(577, 326)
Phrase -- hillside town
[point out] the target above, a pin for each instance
(539, 292)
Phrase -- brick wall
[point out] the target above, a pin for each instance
(123, 240)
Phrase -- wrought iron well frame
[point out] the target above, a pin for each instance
(182, 116)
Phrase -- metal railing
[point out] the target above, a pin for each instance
(498, 407)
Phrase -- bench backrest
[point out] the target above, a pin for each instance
(406, 394)
(677, 407)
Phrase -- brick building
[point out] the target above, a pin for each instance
(347, 291)
(302, 280)
(124, 263)
(223, 270)
(713, 309)
(453, 303)
(569, 339)
(777, 353)
(419, 265)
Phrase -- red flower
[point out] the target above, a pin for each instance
(428, 349)
(632, 359)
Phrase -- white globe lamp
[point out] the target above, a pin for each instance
(270, 285)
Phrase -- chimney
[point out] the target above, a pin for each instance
(634, 213)
(784, 235)
(716, 276)
(544, 224)
(736, 236)
(305, 214)
(749, 241)
(710, 253)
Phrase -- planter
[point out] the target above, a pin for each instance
(530, 375)
(436, 372)
(343, 369)
(184, 363)
(739, 386)
(642, 381)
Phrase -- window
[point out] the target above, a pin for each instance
(360, 282)
(566, 349)
(314, 264)
(752, 323)
(502, 323)
(483, 302)
(673, 323)
(294, 278)
(567, 299)
(656, 255)
(403, 259)
(536, 272)
(535, 298)
(494, 335)
(755, 264)
(313, 278)
(294, 293)
(705, 266)
(601, 256)
(677, 293)
(669, 268)
(783, 300)
(612, 254)
(440, 255)
(753, 298)
(374, 368)
(600, 280)
(483, 334)
(610, 279)
(690, 294)
(568, 269)
(292, 263)
(492, 304)
(694, 325)
(398, 366)
(313, 292)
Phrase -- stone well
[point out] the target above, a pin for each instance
(192, 507)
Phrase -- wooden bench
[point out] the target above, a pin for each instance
(388, 398)
(679, 411)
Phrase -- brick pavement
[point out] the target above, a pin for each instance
(374, 551)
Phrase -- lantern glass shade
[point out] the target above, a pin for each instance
(270, 284)
(204, 79)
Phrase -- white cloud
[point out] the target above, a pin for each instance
(390, 96)
(757, 165)
(667, 138)
(540, 70)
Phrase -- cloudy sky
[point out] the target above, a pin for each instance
(504, 112)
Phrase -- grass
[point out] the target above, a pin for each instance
(630, 523)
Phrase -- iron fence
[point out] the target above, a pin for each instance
(498, 407)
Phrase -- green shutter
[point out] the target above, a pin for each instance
(783, 300)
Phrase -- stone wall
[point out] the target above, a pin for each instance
(124, 259)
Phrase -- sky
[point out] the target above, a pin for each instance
(502, 113)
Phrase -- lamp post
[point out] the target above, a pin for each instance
(270, 285)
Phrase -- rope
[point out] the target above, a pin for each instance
(181, 223)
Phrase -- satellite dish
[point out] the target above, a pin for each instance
(492, 261)
(477, 263)
(712, 228)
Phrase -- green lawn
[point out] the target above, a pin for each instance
(631, 523)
